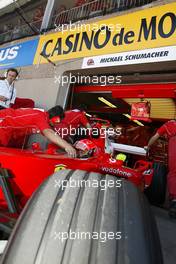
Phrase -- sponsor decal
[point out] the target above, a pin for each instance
(147, 172)
(156, 28)
(90, 62)
(116, 171)
(60, 167)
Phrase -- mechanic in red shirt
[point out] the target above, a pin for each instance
(26, 118)
(169, 129)
(71, 122)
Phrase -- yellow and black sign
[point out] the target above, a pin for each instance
(149, 28)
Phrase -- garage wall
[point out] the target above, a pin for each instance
(42, 91)
(41, 83)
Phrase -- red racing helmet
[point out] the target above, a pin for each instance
(86, 148)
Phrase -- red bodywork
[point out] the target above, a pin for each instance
(29, 168)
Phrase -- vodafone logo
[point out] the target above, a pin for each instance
(116, 171)
(9, 53)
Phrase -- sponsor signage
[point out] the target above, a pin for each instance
(150, 28)
(18, 55)
(131, 57)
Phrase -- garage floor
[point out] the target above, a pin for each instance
(167, 232)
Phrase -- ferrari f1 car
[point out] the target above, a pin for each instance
(97, 194)
(23, 170)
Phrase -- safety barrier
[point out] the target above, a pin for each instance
(94, 9)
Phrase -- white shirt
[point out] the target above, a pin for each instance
(7, 91)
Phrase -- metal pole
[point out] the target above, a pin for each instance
(48, 15)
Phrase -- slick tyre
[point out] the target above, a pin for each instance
(78, 217)
(156, 193)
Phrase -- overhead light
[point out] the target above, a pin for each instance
(88, 115)
(135, 121)
(127, 115)
(102, 99)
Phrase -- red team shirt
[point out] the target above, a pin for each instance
(169, 128)
(72, 120)
(19, 120)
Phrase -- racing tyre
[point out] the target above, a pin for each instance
(78, 217)
(156, 193)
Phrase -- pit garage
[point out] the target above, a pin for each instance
(114, 103)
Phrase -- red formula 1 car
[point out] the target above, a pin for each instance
(23, 172)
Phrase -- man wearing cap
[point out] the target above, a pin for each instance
(22, 119)
(169, 129)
